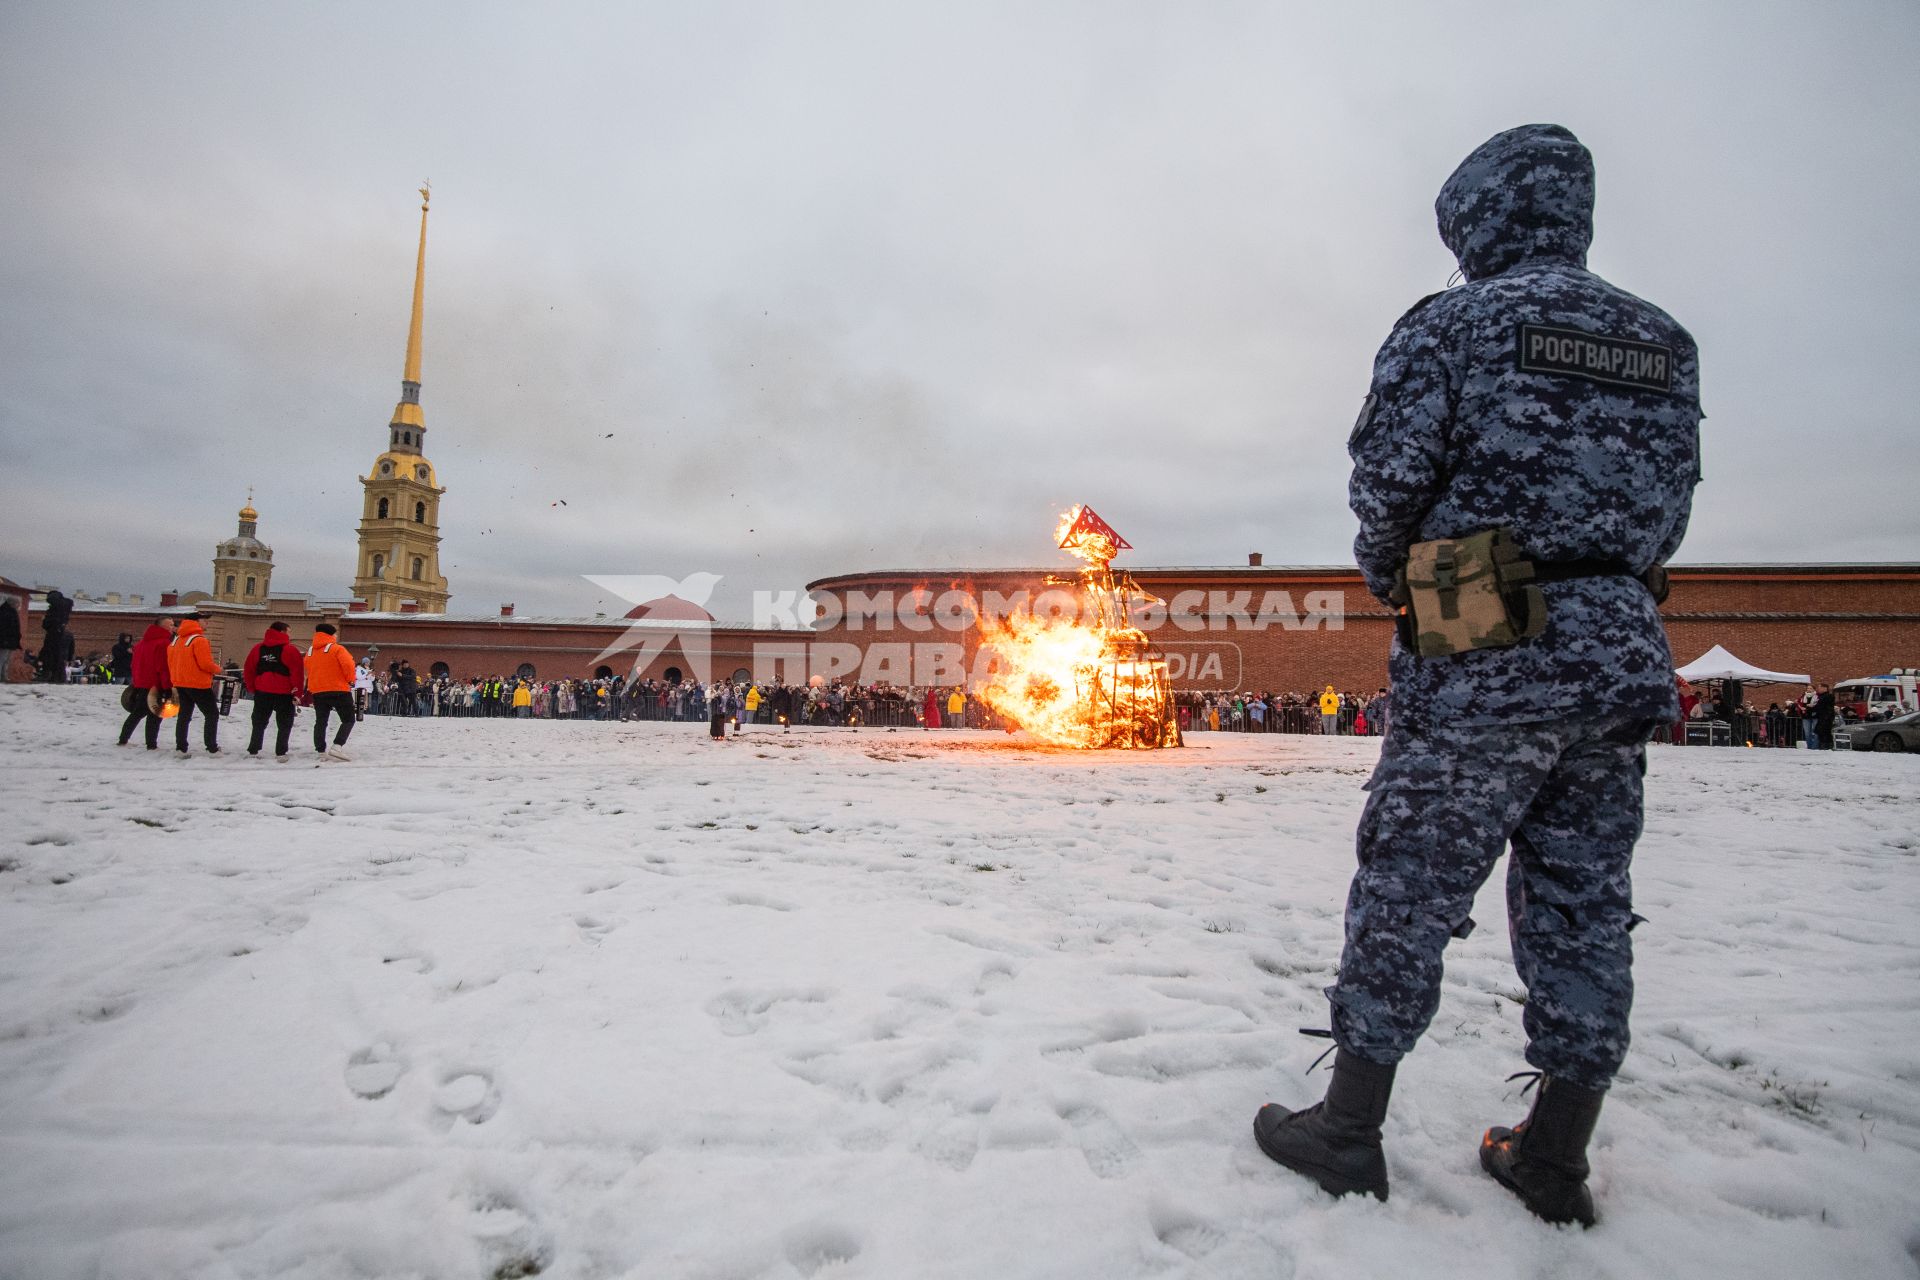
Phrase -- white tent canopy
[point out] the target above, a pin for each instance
(1717, 664)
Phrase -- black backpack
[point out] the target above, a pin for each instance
(272, 662)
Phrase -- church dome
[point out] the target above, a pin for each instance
(248, 513)
(669, 609)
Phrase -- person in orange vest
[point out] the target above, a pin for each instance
(190, 664)
(329, 673)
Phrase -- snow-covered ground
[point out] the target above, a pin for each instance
(600, 1000)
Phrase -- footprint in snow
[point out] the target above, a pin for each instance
(372, 1072)
(757, 900)
(1107, 1148)
(511, 1243)
(996, 973)
(592, 928)
(952, 1144)
(1183, 1232)
(743, 1011)
(816, 1246)
(466, 1095)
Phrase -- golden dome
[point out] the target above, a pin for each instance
(248, 513)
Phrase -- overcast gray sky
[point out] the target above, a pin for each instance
(887, 285)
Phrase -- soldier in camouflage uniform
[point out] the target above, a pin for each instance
(1540, 399)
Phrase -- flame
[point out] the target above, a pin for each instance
(1086, 677)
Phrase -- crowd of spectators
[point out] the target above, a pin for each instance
(1806, 721)
(400, 691)
(1227, 711)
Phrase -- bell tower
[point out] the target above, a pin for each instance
(243, 565)
(399, 556)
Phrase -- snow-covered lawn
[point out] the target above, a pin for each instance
(600, 1000)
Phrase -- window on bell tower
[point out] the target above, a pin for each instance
(250, 582)
(419, 564)
(383, 509)
(229, 584)
(379, 563)
(419, 513)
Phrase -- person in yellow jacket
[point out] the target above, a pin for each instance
(522, 700)
(1329, 711)
(330, 672)
(753, 703)
(956, 709)
(190, 664)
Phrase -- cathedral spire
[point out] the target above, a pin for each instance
(419, 294)
(409, 425)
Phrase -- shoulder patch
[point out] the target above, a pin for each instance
(1570, 353)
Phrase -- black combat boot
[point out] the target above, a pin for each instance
(1543, 1159)
(1336, 1141)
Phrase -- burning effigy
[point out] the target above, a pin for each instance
(1086, 676)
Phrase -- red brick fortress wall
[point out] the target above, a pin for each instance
(1832, 622)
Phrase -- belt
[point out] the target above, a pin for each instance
(1654, 579)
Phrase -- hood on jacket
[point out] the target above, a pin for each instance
(188, 630)
(155, 632)
(276, 634)
(321, 640)
(1526, 193)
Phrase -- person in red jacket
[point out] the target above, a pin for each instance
(273, 674)
(190, 663)
(149, 674)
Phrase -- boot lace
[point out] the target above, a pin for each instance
(1318, 1033)
(1532, 1078)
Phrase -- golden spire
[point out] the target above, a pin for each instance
(247, 512)
(419, 294)
(408, 423)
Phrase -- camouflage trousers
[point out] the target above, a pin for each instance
(1444, 804)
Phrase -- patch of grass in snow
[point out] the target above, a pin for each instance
(1801, 1099)
(148, 822)
(1222, 926)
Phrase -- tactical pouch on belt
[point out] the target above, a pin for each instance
(1476, 592)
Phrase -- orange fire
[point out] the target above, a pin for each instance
(1081, 674)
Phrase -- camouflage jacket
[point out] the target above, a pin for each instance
(1538, 397)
